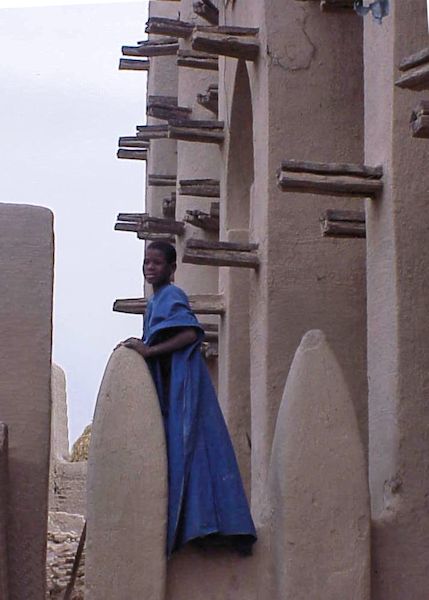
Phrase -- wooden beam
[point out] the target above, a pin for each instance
(332, 179)
(127, 64)
(169, 207)
(130, 154)
(161, 180)
(206, 10)
(210, 350)
(209, 188)
(215, 209)
(133, 142)
(322, 168)
(221, 254)
(343, 223)
(208, 132)
(210, 100)
(201, 219)
(227, 42)
(169, 27)
(201, 304)
(152, 132)
(336, 5)
(152, 48)
(420, 120)
(131, 217)
(165, 107)
(197, 60)
(415, 78)
(143, 223)
(415, 60)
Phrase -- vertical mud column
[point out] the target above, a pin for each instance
(398, 327)
(162, 81)
(304, 280)
(26, 255)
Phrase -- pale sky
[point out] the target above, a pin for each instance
(63, 105)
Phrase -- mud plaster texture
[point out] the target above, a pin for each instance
(127, 486)
(26, 256)
(398, 327)
(318, 484)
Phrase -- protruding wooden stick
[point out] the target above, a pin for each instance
(133, 142)
(152, 48)
(169, 206)
(207, 10)
(161, 180)
(201, 304)
(197, 60)
(415, 60)
(127, 64)
(144, 223)
(209, 188)
(343, 223)
(170, 27)
(420, 120)
(208, 132)
(221, 254)
(128, 153)
(165, 107)
(227, 41)
(332, 179)
(210, 100)
(201, 219)
(152, 132)
(336, 5)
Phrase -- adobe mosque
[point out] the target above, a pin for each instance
(286, 158)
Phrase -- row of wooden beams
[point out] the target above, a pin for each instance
(201, 304)
(154, 180)
(332, 179)
(206, 10)
(416, 71)
(165, 47)
(205, 188)
(197, 60)
(208, 132)
(210, 99)
(343, 223)
(221, 254)
(420, 120)
(170, 27)
(132, 153)
(166, 108)
(127, 64)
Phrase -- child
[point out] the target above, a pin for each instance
(206, 501)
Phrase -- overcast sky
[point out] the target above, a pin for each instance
(63, 104)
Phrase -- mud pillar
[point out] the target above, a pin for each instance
(318, 485)
(26, 257)
(398, 327)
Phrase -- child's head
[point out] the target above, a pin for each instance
(159, 263)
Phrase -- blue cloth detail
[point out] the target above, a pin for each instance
(206, 494)
(379, 9)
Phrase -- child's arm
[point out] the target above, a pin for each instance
(184, 337)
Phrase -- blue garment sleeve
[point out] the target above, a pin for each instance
(169, 308)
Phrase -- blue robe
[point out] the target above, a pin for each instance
(206, 494)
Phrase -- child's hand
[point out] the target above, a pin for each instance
(137, 345)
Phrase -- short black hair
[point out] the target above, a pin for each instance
(167, 249)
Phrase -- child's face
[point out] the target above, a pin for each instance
(156, 269)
